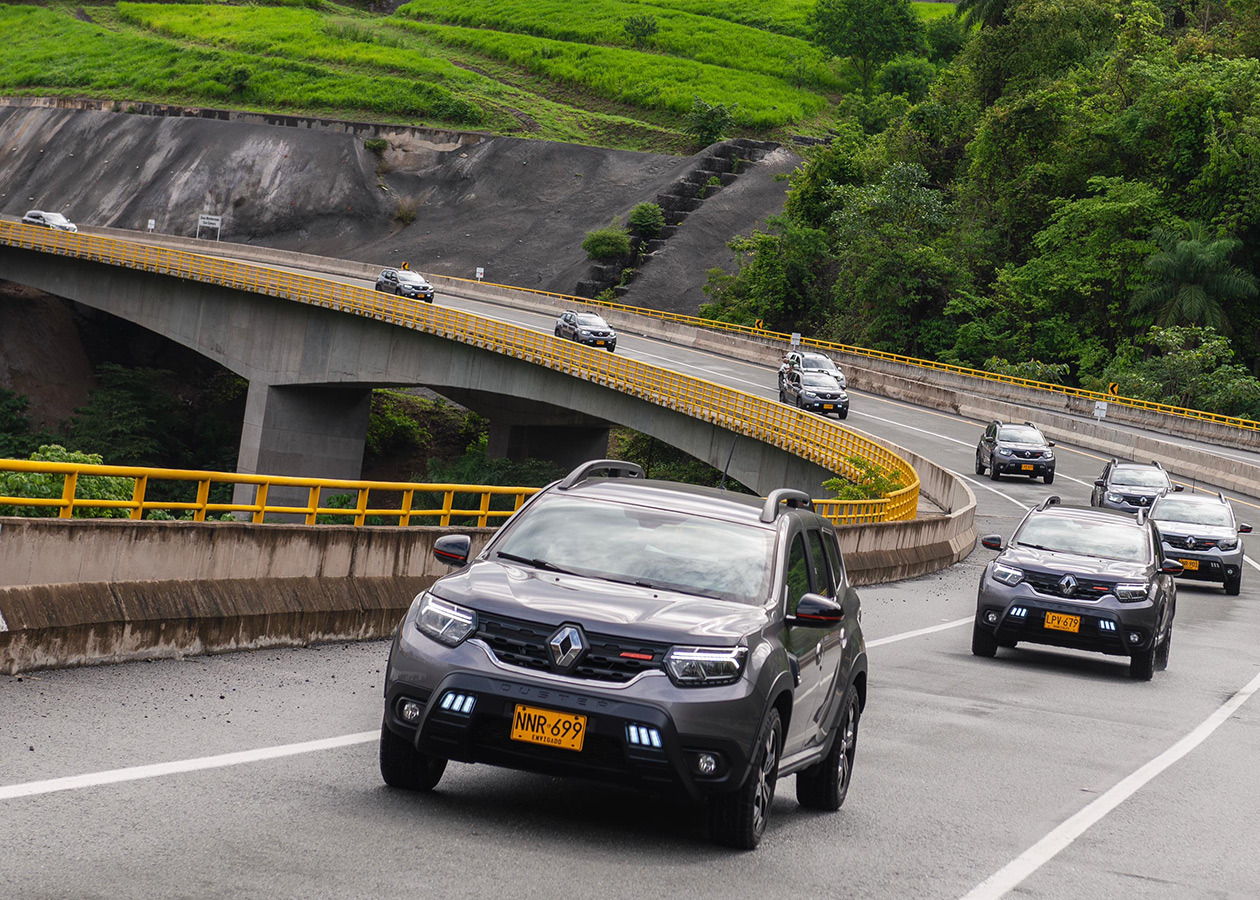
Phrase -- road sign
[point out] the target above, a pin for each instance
(480, 272)
(208, 221)
(1100, 409)
(760, 323)
(1113, 389)
(152, 224)
(796, 338)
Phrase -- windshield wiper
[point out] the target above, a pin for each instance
(1037, 547)
(536, 563)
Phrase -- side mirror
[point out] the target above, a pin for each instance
(818, 611)
(1171, 567)
(1049, 443)
(1178, 488)
(453, 549)
(991, 542)
(1100, 483)
(1244, 528)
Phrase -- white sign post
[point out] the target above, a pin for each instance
(206, 221)
(152, 225)
(796, 338)
(480, 272)
(1100, 409)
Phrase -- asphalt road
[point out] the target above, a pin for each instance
(1103, 787)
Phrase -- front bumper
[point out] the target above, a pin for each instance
(426, 296)
(825, 406)
(1212, 565)
(609, 342)
(1010, 465)
(720, 721)
(1105, 626)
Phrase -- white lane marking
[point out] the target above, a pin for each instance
(136, 773)
(1247, 559)
(906, 635)
(1015, 872)
(971, 480)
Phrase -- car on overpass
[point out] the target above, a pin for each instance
(53, 220)
(1081, 578)
(815, 391)
(667, 636)
(1010, 449)
(405, 283)
(586, 328)
(1201, 533)
(1130, 486)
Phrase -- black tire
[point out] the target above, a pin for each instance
(798, 402)
(1233, 585)
(739, 819)
(1142, 665)
(983, 643)
(782, 396)
(1049, 478)
(1165, 647)
(557, 331)
(843, 414)
(979, 465)
(405, 767)
(612, 348)
(994, 475)
(825, 785)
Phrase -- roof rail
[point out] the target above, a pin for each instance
(1030, 424)
(793, 498)
(616, 469)
(1222, 496)
(1155, 463)
(1052, 500)
(1142, 513)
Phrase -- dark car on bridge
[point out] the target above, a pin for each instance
(671, 637)
(1009, 449)
(1201, 533)
(1130, 486)
(815, 391)
(1083, 578)
(806, 361)
(586, 328)
(405, 283)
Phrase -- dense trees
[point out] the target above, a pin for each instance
(1077, 187)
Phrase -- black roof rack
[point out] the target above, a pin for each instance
(616, 469)
(1052, 500)
(793, 498)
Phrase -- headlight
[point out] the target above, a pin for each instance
(1132, 593)
(809, 395)
(585, 332)
(1227, 544)
(445, 622)
(1004, 452)
(1114, 498)
(692, 666)
(1008, 575)
(843, 396)
(1049, 454)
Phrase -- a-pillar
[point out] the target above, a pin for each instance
(312, 432)
(565, 445)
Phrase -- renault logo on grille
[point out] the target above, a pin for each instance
(1189, 543)
(567, 645)
(1067, 585)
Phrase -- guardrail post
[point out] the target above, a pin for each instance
(485, 510)
(203, 497)
(359, 509)
(67, 495)
(404, 517)
(260, 502)
(137, 496)
(312, 505)
(447, 500)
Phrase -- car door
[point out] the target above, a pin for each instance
(805, 644)
(838, 652)
(986, 444)
(794, 386)
(1096, 497)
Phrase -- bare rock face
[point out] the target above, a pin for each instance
(41, 355)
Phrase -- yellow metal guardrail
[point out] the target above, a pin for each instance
(142, 479)
(802, 434)
(831, 347)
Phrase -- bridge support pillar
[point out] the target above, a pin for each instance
(565, 445)
(315, 432)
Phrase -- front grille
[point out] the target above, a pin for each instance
(1191, 543)
(1137, 499)
(1086, 588)
(1027, 454)
(517, 642)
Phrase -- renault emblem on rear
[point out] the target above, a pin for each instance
(566, 645)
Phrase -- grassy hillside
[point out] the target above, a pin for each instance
(504, 66)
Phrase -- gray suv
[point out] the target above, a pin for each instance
(667, 636)
(1130, 486)
(1009, 449)
(1088, 579)
(1199, 531)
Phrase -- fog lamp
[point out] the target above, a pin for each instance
(706, 764)
(1134, 637)
(411, 711)
(991, 617)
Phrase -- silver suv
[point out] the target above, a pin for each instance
(1199, 531)
(1131, 486)
(672, 637)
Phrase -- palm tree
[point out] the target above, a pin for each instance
(1193, 278)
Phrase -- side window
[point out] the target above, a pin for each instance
(820, 578)
(834, 560)
(797, 574)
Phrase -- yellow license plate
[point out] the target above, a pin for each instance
(829, 406)
(1026, 467)
(548, 727)
(599, 343)
(1060, 622)
(1190, 565)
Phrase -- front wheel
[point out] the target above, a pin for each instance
(405, 767)
(782, 396)
(825, 785)
(979, 465)
(1233, 586)
(557, 331)
(983, 643)
(612, 348)
(994, 474)
(1165, 647)
(1049, 478)
(739, 819)
(843, 414)
(1142, 665)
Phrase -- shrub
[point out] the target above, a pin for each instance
(405, 212)
(42, 486)
(641, 29)
(868, 481)
(647, 219)
(708, 123)
(607, 295)
(909, 76)
(713, 182)
(376, 145)
(608, 242)
(945, 37)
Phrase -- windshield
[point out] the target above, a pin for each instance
(411, 277)
(592, 321)
(1110, 540)
(1174, 509)
(1140, 478)
(1020, 434)
(655, 548)
(817, 362)
(820, 380)
(56, 217)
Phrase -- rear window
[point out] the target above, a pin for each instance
(1086, 537)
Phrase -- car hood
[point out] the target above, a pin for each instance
(1167, 527)
(1073, 563)
(1020, 445)
(605, 607)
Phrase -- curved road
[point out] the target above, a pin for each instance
(1047, 773)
